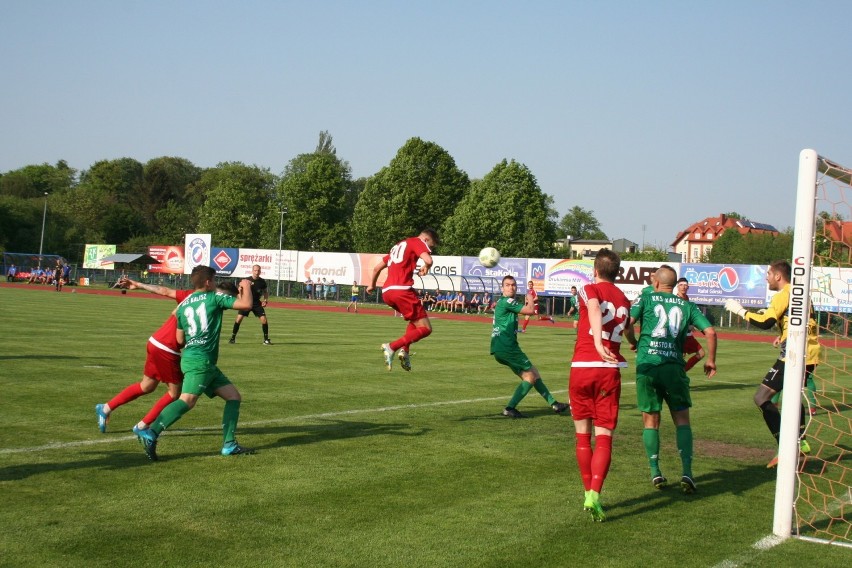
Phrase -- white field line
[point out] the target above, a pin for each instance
(756, 549)
(304, 417)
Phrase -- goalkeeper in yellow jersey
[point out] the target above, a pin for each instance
(778, 280)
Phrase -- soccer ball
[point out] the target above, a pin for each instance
(489, 257)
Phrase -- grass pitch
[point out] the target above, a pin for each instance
(357, 466)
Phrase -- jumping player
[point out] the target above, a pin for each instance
(595, 376)
(398, 293)
(260, 293)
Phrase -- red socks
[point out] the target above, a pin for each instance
(600, 461)
(584, 459)
(690, 363)
(413, 334)
(158, 407)
(132, 392)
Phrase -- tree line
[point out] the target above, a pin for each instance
(315, 200)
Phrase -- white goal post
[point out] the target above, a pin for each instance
(820, 484)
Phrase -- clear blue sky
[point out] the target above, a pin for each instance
(647, 113)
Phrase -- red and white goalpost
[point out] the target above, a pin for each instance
(815, 491)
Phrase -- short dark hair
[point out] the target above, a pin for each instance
(782, 267)
(682, 279)
(507, 277)
(228, 287)
(201, 274)
(607, 264)
(433, 234)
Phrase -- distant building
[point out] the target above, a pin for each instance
(623, 245)
(585, 248)
(697, 240)
(838, 231)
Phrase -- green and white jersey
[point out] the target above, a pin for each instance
(665, 320)
(200, 317)
(504, 332)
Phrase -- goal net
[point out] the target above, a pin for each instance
(813, 498)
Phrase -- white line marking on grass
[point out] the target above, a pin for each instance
(355, 411)
(762, 545)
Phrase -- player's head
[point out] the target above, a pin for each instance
(665, 278)
(227, 287)
(202, 277)
(255, 270)
(430, 237)
(682, 287)
(530, 285)
(509, 286)
(607, 264)
(778, 274)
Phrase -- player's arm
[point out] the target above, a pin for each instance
(710, 363)
(244, 301)
(375, 276)
(528, 308)
(427, 263)
(593, 308)
(765, 320)
(126, 282)
(264, 297)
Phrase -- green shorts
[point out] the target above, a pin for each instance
(668, 382)
(515, 359)
(201, 376)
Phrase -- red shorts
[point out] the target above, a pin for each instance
(163, 366)
(691, 345)
(594, 393)
(405, 302)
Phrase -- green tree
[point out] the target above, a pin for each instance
(314, 190)
(752, 248)
(164, 179)
(419, 188)
(121, 179)
(36, 180)
(650, 254)
(507, 210)
(581, 224)
(236, 198)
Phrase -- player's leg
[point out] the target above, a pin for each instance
(650, 403)
(520, 365)
(264, 326)
(236, 330)
(772, 383)
(541, 388)
(526, 323)
(230, 417)
(172, 394)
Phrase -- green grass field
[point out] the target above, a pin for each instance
(357, 466)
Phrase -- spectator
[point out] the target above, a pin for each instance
(11, 273)
(309, 288)
(475, 300)
(487, 303)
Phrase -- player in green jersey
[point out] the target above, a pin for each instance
(199, 325)
(505, 348)
(665, 319)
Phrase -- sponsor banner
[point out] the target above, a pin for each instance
(94, 253)
(634, 276)
(365, 264)
(341, 267)
(831, 289)
(554, 277)
(712, 284)
(446, 265)
(197, 251)
(237, 263)
(170, 257)
(224, 260)
(478, 278)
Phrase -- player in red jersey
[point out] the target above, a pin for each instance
(691, 346)
(397, 291)
(531, 292)
(594, 382)
(162, 364)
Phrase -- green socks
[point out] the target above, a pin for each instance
(651, 439)
(170, 414)
(684, 447)
(230, 416)
(520, 393)
(542, 390)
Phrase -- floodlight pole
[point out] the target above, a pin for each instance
(43, 219)
(568, 245)
(280, 246)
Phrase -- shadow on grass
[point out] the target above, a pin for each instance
(709, 485)
(709, 385)
(328, 430)
(114, 460)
